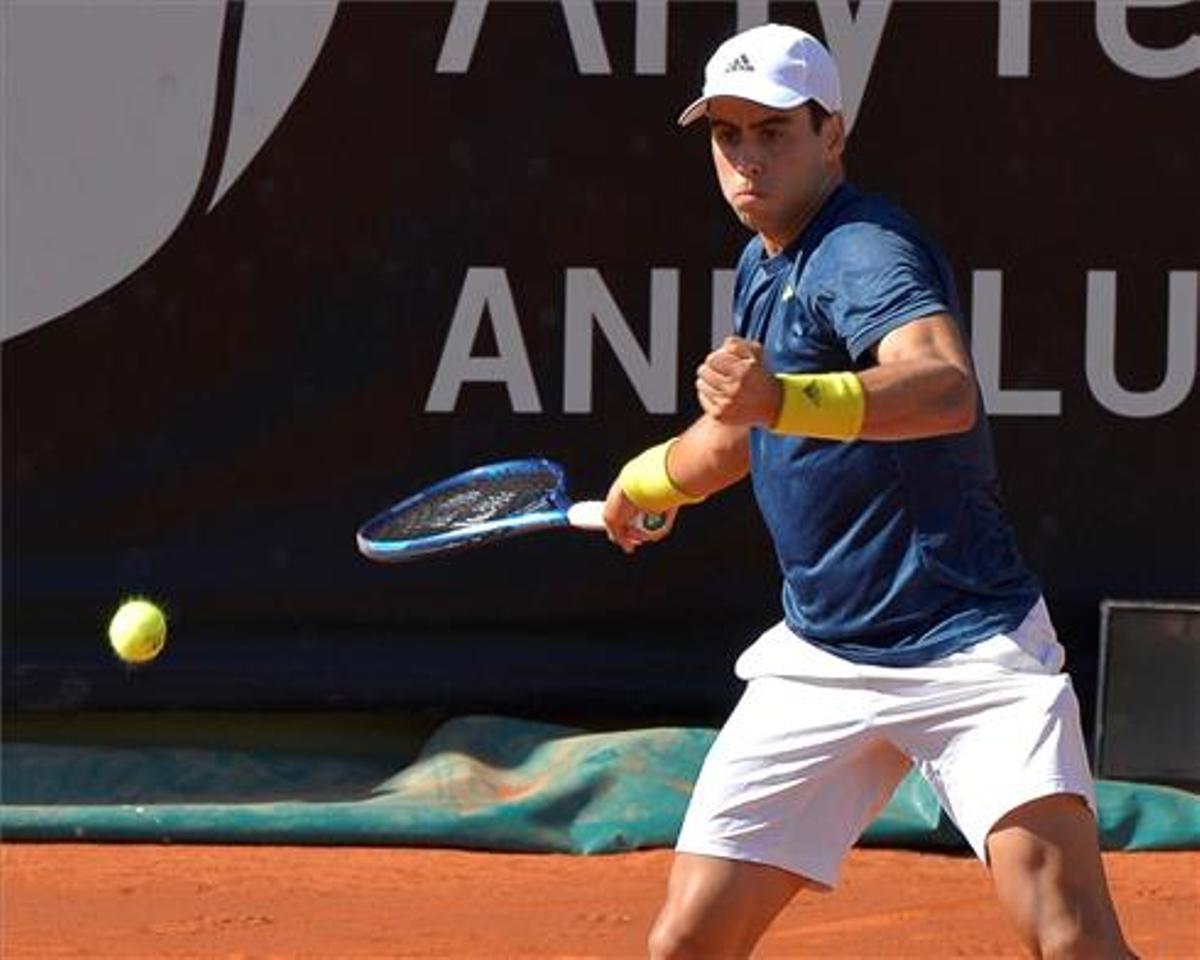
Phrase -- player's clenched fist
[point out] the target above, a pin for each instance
(735, 387)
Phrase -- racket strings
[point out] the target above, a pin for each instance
(480, 500)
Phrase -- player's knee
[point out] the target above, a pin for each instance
(673, 938)
(663, 944)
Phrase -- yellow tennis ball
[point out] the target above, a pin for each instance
(137, 631)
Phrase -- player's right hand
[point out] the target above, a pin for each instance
(735, 387)
(620, 520)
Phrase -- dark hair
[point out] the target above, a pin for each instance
(817, 115)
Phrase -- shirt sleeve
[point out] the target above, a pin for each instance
(873, 279)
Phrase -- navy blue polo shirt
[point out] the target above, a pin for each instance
(894, 552)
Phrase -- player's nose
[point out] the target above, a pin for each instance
(748, 163)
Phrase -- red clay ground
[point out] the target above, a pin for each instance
(134, 901)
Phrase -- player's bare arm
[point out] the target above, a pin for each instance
(709, 456)
(705, 458)
(922, 385)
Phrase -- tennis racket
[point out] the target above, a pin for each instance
(488, 503)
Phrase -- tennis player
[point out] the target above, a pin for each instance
(912, 631)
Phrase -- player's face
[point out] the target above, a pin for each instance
(774, 169)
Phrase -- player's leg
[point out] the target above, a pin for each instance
(1005, 753)
(795, 776)
(718, 907)
(1045, 862)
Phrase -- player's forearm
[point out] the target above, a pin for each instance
(911, 399)
(705, 458)
(709, 456)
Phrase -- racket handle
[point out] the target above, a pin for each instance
(589, 515)
(586, 515)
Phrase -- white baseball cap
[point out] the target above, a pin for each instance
(773, 65)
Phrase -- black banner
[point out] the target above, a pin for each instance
(475, 233)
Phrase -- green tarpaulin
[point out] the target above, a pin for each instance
(480, 782)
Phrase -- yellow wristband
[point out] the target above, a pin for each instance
(645, 481)
(826, 405)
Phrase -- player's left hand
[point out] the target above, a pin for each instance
(735, 387)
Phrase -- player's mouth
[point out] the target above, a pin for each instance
(748, 194)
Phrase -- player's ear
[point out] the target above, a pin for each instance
(833, 135)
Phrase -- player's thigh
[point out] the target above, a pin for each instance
(792, 780)
(1012, 741)
(720, 907)
(1045, 862)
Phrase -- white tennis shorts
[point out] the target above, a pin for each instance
(817, 744)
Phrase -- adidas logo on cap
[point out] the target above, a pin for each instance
(740, 63)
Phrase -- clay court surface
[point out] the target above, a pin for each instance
(143, 901)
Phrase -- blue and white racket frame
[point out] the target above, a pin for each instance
(557, 511)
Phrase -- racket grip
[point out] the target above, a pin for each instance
(589, 515)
